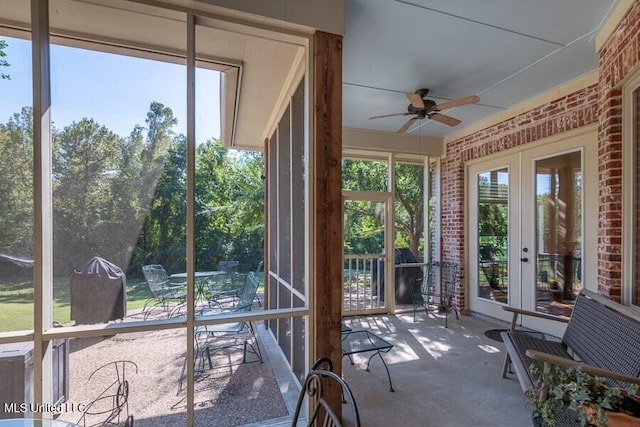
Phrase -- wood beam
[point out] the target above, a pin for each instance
(327, 197)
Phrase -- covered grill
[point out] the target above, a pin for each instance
(98, 292)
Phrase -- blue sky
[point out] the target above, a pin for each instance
(115, 90)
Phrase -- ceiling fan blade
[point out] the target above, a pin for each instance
(447, 120)
(457, 102)
(387, 115)
(416, 100)
(407, 125)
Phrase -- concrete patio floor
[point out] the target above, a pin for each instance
(441, 376)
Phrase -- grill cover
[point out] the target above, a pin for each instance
(98, 292)
(406, 277)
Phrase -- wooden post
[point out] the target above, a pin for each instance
(327, 200)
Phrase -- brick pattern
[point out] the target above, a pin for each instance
(598, 103)
(563, 114)
(618, 57)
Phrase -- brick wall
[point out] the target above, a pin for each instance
(618, 56)
(569, 112)
(598, 103)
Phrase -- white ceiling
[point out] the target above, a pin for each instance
(505, 51)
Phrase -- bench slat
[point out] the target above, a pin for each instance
(603, 337)
(517, 345)
(600, 333)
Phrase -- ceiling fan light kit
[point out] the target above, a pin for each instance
(422, 108)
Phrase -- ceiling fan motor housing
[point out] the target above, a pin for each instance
(428, 106)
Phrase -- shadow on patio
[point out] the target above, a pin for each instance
(441, 376)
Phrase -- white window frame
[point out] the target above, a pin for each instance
(43, 333)
(630, 142)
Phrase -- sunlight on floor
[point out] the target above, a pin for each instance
(489, 348)
(436, 349)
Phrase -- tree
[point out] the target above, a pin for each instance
(230, 205)
(16, 179)
(409, 206)
(84, 165)
(124, 198)
(409, 209)
(3, 62)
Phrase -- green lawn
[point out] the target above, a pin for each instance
(16, 302)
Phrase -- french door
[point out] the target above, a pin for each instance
(532, 222)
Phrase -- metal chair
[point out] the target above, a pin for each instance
(112, 403)
(228, 266)
(167, 294)
(315, 387)
(438, 290)
(236, 330)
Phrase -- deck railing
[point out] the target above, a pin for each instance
(363, 282)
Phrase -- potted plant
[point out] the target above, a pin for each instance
(584, 396)
(556, 291)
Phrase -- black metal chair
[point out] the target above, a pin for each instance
(438, 289)
(315, 387)
(111, 405)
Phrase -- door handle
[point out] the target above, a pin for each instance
(525, 259)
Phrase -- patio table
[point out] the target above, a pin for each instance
(201, 278)
(363, 341)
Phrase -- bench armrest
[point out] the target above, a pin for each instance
(550, 359)
(517, 311)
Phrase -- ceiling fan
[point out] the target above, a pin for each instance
(424, 108)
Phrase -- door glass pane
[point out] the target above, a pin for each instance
(493, 228)
(558, 232)
(364, 250)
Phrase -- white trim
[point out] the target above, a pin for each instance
(612, 22)
(630, 142)
(389, 236)
(295, 76)
(43, 203)
(191, 201)
(254, 24)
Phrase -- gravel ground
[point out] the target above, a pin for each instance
(232, 393)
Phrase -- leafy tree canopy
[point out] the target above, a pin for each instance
(3, 61)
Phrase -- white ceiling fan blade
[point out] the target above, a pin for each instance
(457, 102)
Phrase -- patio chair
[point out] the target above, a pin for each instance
(228, 266)
(237, 276)
(319, 379)
(166, 294)
(111, 405)
(258, 272)
(216, 290)
(227, 334)
(439, 289)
